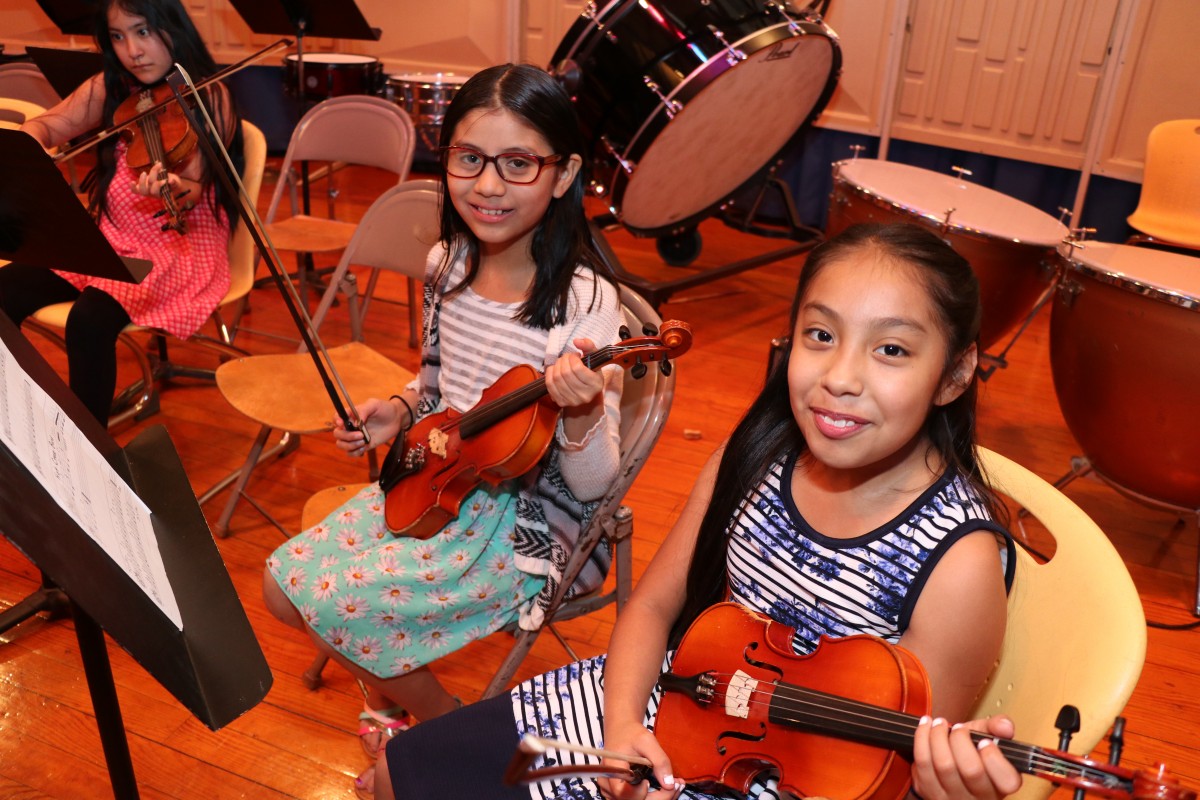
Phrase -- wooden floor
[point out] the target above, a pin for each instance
(300, 744)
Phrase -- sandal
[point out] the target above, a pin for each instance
(377, 727)
(364, 784)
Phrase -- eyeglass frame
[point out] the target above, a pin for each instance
(542, 162)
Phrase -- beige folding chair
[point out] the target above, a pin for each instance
(354, 129)
(24, 81)
(395, 234)
(13, 111)
(1076, 634)
(645, 404)
(1168, 210)
(140, 399)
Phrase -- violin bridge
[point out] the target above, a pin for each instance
(737, 695)
(437, 442)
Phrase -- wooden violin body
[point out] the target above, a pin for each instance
(838, 723)
(163, 136)
(426, 475)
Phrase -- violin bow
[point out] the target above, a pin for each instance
(100, 136)
(531, 747)
(179, 80)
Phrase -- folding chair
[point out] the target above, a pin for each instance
(395, 234)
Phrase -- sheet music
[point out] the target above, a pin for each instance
(50, 445)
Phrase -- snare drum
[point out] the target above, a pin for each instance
(1125, 355)
(425, 97)
(1010, 244)
(329, 75)
(682, 102)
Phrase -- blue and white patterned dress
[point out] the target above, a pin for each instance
(780, 566)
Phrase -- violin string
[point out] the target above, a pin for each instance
(833, 709)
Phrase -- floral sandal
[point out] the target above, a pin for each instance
(376, 727)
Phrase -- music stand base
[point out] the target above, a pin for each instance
(47, 598)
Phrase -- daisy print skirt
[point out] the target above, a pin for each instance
(393, 604)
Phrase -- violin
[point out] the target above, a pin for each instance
(434, 465)
(837, 723)
(163, 136)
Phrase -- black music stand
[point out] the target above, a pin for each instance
(66, 69)
(72, 17)
(213, 665)
(42, 221)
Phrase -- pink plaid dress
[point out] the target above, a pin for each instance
(190, 274)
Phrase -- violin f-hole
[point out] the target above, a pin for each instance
(740, 735)
(760, 664)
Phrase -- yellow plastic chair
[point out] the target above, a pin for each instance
(13, 111)
(645, 404)
(395, 234)
(1076, 633)
(141, 398)
(1168, 210)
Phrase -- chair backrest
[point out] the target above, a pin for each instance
(1076, 633)
(241, 246)
(23, 81)
(355, 129)
(14, 112)
(1169, 205)
(396, 233)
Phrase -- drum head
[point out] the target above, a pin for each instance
(332, 58)
(929, 194)
(427, 79)
(726, 133)
(1168, 277)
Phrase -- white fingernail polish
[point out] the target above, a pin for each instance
(939, 721)
(956, 726)
(985, 743)
(924, 720)
(668, 781)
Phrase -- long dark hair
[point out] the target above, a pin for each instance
(562, 240)
(768, 431)
(168, 19)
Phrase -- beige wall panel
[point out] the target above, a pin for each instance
(868, 35)
(1159, 80)
(544, 25)
(1015, 78)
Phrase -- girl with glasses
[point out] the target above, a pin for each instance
(514, 280)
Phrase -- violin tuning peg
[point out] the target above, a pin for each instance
(623, 331)
(665, 367)
(638, 371)
(649, 330)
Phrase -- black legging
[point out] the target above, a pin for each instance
(93, 325)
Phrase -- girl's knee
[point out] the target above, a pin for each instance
(278, 603)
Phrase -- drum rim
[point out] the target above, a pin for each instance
(685, 91)
(957, 227)
(1138, 286)
(400, 78)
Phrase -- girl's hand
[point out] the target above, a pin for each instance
(569, 382)
(149, 184)
(639, 741)
(382, 419)
(948, 764)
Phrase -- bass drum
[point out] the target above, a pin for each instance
(683, 101)
(1125, 355)
(1010, 244)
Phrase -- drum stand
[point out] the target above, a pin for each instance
(1081, 467)
(995, 362)
(681, 248)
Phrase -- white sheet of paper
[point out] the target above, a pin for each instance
(50, 445)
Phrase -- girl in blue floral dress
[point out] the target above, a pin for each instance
(513, 281)
(848, 500)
